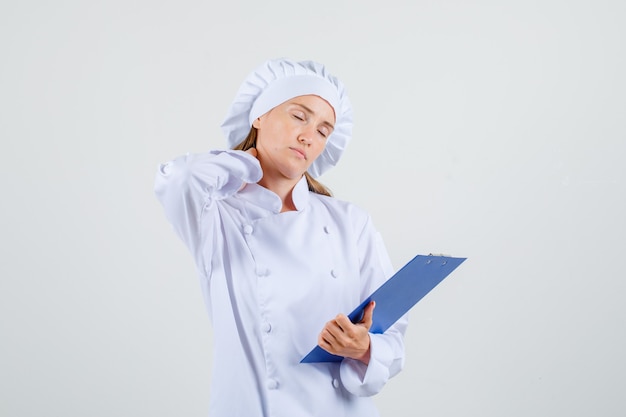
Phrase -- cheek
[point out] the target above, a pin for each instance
(264, 138)
(319, 148)
(267, 144)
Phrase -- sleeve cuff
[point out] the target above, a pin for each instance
(367, 380)
(243, 165)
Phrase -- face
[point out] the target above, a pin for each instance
(292, 135)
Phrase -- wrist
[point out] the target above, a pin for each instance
(365, 358)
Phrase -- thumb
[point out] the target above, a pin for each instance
(368, 313)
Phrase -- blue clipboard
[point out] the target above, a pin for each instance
(396, 296)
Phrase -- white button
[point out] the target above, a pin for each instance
(327, 230)
(272, 384)
(335, 383)
(165, 168)
(247, 229)
(266, 327)
(333, 273)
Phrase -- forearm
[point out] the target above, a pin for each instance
(189, 185)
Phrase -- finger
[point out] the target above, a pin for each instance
(326, 339)
(342, 322)
(333, 330)
(347, 331)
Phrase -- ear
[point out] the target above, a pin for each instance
(256, 123)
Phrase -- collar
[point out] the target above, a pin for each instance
(269, 200)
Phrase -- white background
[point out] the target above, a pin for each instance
(493, 130)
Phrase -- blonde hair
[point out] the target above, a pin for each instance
(314, 185)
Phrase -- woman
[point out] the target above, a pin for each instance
(279, 259)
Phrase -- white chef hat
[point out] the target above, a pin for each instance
(279, 80)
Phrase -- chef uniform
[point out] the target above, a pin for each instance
(272, 280)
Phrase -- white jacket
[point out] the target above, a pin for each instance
(271, 281)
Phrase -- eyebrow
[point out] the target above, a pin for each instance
(329, 124)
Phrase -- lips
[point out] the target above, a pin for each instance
(299, 152)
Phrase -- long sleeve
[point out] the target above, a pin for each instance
(387, 349)
(189, 185)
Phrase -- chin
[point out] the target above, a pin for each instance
(293, 174)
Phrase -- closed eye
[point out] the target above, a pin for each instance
(299, 116)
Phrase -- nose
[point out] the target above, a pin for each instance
(306, 135)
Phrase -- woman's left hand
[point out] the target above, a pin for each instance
(351, 340)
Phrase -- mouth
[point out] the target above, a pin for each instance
(299, 153)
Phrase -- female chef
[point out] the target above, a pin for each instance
(279, 259)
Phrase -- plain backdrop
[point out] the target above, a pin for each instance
(492, 130)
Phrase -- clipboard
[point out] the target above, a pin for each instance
(396, 296)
